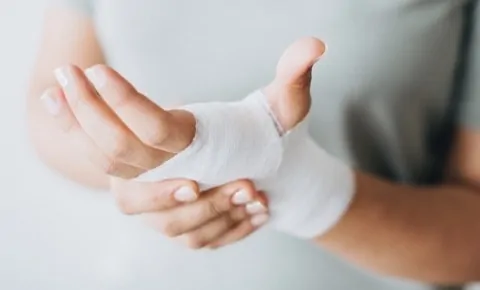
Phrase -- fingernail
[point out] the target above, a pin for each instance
(325, 49)
(51, 102)
(259, 220)
(185, 194)
(241, 197)
(96, 76)
(61, 74)
(255, 207)
(321, 56)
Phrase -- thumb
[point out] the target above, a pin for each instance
(289, 93)
(295, 65)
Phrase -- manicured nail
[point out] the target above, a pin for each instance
(241, 197)
(255, 207)
(61, 74)
(259, 220)
(51, 102)
(96, 76)
(185, 194)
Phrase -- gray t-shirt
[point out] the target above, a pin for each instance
(397, 77)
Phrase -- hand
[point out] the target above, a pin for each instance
(125, 134)
(214, 218)
(121, 131)
(145, 135)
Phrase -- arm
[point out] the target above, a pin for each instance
(68, 37)
(424, 233)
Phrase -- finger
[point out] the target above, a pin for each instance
(259, 204)
(215, 228)
(239, 192)
(289, 94)
(240, 232)
(209, 206)
(294, 66)
(258, 212)
(55, 103)
(144, 197)
(171, 131)
(100, 123)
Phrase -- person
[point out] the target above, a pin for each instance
(398, 103)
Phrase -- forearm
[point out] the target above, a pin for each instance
(57, 48)
(430, 234)
(58, 151)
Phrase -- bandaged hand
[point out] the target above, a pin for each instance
(124, 134)
(264, 138)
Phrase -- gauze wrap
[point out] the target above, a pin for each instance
(308, 189)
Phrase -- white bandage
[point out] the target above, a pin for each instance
(308, 189)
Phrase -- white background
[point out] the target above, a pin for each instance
(43, 232)
(46, 232)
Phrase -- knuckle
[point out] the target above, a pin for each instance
(229, 221)
(124, 95)
(237, 214)
(213, 209)
(119, 147)
(218, 201)
(157, 133)
(158, 201)
(109, 166)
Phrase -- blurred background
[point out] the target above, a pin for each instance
(40, 219)
(40, 225)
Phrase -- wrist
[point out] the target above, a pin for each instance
(312, 189)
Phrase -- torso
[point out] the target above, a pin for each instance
(380, 93)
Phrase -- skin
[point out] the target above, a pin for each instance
(429, 234)
(78, 120)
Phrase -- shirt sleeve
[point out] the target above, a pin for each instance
(469, 106)
(83, 6)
